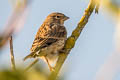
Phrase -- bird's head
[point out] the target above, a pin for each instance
(57, 17)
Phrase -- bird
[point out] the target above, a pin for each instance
(50, 39)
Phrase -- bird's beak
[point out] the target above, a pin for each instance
(66, 18)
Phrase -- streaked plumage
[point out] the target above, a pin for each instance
(50, 38)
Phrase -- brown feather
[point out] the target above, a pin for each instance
(50, 32)
(29, 56)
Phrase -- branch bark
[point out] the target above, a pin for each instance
(12, 55)
(72, 39)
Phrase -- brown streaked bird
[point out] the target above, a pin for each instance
(50, 38)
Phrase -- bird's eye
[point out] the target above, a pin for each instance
(57, 17)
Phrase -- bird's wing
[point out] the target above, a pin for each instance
(47, 35)
(42, 43)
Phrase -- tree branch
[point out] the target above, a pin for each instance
(97, 6)
(16, 20)
(34, 62)
(12, 55)
(72, 39)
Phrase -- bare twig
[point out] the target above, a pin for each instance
(16, 20)
(34, 62)
(12, 55)
(97, 6)
(72, 39)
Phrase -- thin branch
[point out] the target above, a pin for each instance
(72, 39)
(12, 55)
(15, 21)
(97, 6)
(4, 38)
(34, 62)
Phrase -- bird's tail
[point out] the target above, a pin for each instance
(31, 55)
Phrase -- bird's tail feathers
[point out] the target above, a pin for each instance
(31, 55)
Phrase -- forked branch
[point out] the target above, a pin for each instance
(72, 39)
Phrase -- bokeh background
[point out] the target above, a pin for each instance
(95, 44)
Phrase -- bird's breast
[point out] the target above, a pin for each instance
(53, 50)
